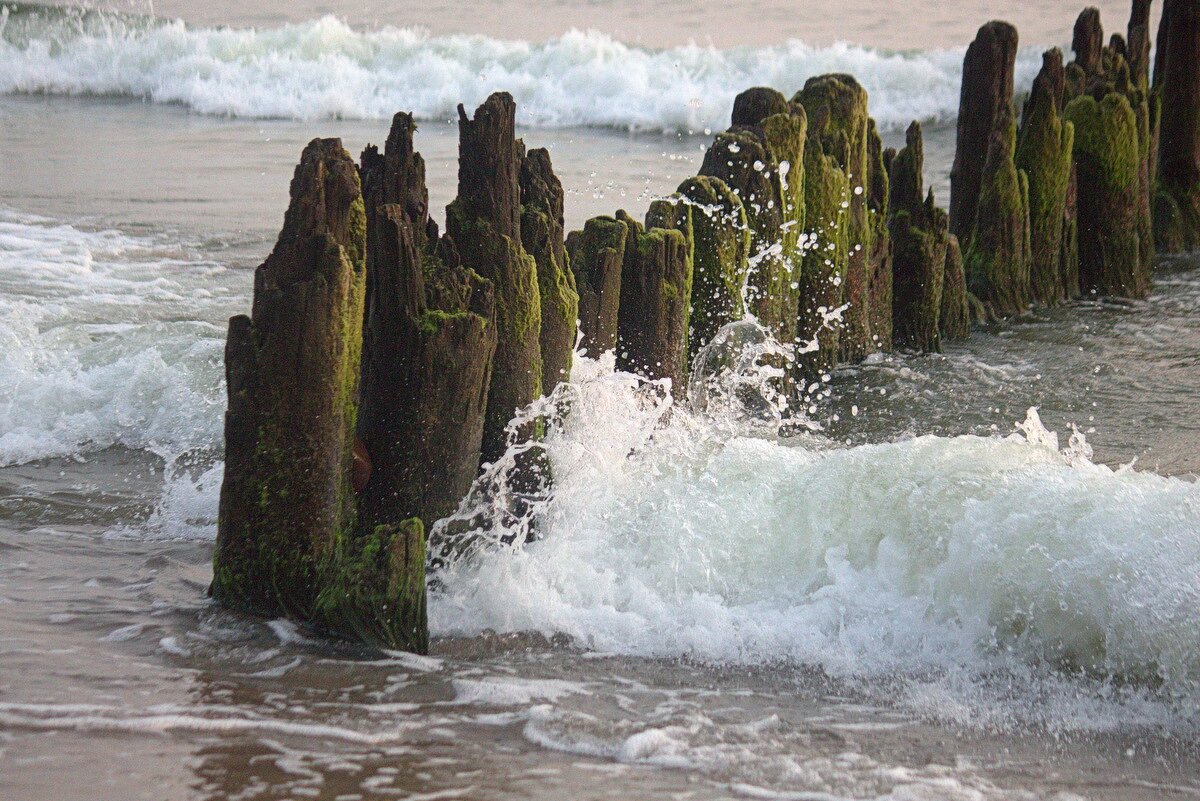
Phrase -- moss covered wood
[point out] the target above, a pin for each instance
(879, 260)
(741, 160)
(997, 258)
(484, 224)
(822, 276)
(720, 253)
(428, 345)
(286, 498)
(954, 321)
(656, 288)
(837, 112)
(985, 103)
(919, 231)
(596, 256)
(1044, 145)
(1177, 85)
(542, 237)
(1107, 162)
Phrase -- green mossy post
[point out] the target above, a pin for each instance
(1138, 43)
(596, 256)
(542, 237)
(879, 260)
(823, 272)
(287, 509)
(1107, 162)
(768, 177)
(1069, 246)
(484, 222)
(1099, 71)
(375, 590)
(837, 111)
(919, 231)
(1177, 85)
(428, 345)
(656, 289)
(955, 317)
(720, 249)
(997, 258)
(985, 105)
(1044, 145)
(785, 134)
(740, 159)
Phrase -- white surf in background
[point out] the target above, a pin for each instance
(324, 69)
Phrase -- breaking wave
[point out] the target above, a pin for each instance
(324, 69)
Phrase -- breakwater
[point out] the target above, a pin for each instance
(384, 359)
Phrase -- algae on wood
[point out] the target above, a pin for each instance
(954, 320)
(720, 249)
(919, 232)
(596, 255)
(656, 288)
(837, 113)
(997, 258)
(1107, 167)
(484, 222)
(542, 237)
(1044, 145)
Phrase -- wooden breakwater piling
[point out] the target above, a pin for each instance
(384, 360)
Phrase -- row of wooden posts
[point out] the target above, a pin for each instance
(384, 359)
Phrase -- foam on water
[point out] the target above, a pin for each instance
(106, 342)
(940, 559)
(325, 69)
(671, 531)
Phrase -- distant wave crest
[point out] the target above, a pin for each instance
(325, 69)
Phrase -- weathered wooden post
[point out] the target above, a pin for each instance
(656, 288)
(484, 222)
(984, 100)
(720, 253)
(428, 346)
(760, 158)
(919, 231)
(989, 196)
(1111, 156)
(1177, 84)
(596, 256)
(542, 237)
(288, 540)
(837, 113)
(292, 370)
(1044, 145)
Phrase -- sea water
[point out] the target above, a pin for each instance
(969, 575)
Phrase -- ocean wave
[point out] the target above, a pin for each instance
(108, 339)
(944, 560)
(325, 69)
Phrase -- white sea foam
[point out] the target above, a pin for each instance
(325, 69)
(938, 558)
(105, 343)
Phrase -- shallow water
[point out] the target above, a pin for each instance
(925, 597)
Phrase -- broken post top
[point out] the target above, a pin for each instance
(907, 180)
(489, 163)
(987, 93)
(540, 187)
(1088, 40)
(1050, 84)
(325, 202)
(754, 105)
(398, 176)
